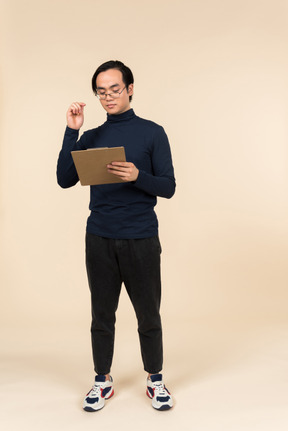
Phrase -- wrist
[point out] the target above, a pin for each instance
(73, 128)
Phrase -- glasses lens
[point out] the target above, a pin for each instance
(113, 94)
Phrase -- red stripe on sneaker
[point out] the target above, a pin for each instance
(110, 395)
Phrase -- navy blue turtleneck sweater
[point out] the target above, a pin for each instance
(123, 210)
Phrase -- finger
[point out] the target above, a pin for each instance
(123, 164)
(77, 107)
(74, 108)
(81, 106)
(120, 173)
(116, 168)
(78, 104)
(119, 169)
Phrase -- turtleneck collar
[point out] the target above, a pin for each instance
(127, 115)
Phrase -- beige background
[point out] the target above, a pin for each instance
(214, 74)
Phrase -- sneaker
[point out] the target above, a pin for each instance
(156, 390)
(101, 391)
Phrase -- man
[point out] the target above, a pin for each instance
(122, 243)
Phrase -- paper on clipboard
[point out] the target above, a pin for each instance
(91, 165)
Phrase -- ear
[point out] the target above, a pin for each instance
(130, 89)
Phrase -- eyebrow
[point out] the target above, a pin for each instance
(112, 86)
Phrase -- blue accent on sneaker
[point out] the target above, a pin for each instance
(162, 399)
(165, 407)
(89, 409)
(105, 391)
(151, 391)
(100, 378)
(156, 378)
(92, 400)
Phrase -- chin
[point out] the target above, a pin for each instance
(115, 110)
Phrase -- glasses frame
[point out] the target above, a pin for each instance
(104, 96)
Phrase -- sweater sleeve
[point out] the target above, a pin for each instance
(66, 172)
(162, 181)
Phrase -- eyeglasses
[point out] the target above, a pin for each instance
(114, 94)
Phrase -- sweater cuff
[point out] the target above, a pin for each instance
(140, 178)
(71, 132)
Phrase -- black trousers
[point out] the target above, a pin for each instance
(136, 262)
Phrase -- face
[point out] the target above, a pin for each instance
(109, 81)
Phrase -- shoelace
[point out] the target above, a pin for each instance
(160, 388)
(96, 390)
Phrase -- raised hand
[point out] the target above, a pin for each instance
(75, 115)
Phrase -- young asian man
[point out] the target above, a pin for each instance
(122, 243)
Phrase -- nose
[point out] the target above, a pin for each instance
(109, 97)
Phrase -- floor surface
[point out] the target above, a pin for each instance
(225, 377)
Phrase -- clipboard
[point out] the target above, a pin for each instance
(91, 165)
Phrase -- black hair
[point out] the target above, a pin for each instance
(127, 75)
